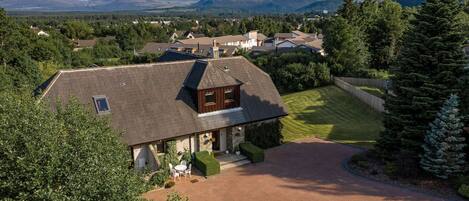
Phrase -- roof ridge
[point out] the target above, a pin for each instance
(125, 66)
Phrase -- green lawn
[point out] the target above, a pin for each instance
(373, 91)
(330, 113)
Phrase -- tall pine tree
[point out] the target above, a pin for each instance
(428, 70)
(443, 149)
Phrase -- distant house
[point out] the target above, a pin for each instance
(192, 35)
(261, 38)
(172, 55)
(202, 104)
(39, 32)
(287, 44)
(197, 49)
(176, 35)
(246, 41)
(84, 44)
(296, 39)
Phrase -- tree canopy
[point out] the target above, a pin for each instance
(429, 68)
(67, 155)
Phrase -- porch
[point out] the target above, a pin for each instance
(231, 160)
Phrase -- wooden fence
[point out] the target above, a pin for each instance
(381, 84)
(373, 101)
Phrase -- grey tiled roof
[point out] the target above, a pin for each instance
(205, 75)
(149, 102)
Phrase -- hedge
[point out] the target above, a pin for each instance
(265, 135)
(206, 163)
(254, 153)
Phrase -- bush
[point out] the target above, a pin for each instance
(265, 135)
(159, 178)
(206, 163)
(295, 71)
(176, 197)
(459, 181)
(171, 155)
(298, 77)
(391, 170)
(370, 74)
(169, 184)
(187, 156)
(255, 154)
(464, 190)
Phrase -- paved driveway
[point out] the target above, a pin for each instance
(306, 170)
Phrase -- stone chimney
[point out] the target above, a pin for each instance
(214, 50)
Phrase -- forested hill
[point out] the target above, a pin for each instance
(282, 5)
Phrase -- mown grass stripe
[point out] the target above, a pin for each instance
(330, 113)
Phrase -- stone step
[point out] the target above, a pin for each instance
(229, 165)
(230, 159)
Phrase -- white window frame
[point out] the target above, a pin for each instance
(95, 101)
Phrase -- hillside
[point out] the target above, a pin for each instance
(91, 5)
(116, 5)
(257, 5)
(282, 5)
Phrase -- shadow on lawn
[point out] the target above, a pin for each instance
(316, 167)
(350, 121)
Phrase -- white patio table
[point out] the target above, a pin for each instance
(180, 168)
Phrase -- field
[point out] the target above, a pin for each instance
(330, 113)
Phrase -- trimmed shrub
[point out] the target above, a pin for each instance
(254, 153)
(265, 135)
(464, 190)
(159, 178)
(206, 163)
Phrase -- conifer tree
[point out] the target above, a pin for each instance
(443, 148)
(428, 70)
(348, 10)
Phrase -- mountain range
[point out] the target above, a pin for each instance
(91, 5)
(116, 5)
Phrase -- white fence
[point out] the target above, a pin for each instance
(373, 101)
(381, 84)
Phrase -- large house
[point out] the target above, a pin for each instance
(246, 41)
(202, 104)
(196, 49)
(291, 41)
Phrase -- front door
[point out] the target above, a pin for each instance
(216, 140)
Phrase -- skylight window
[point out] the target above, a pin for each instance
(102, 104)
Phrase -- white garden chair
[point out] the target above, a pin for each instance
(183, 162)
(188, 171)
(174, 174)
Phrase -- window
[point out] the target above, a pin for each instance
(160, 146)
(229, 95)
(210, 98)
(102, 105)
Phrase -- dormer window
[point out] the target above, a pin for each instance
(102, 105)
(210, 98)
(229, 95)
